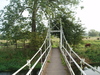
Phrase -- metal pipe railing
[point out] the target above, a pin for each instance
(67, 63)
(78, 56)
(86, 63)
(28, 73)
(74, 62)
(44, 62)
(29, 61)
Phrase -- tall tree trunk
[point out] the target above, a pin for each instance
(15, 43)
(34, 21)
(34, 16)
(24, 43)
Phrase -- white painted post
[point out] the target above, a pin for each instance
(81, 62)
(60, 34)
(49, 34)
(29, 64)
(45, 49)
(40, 55)
(70, 54)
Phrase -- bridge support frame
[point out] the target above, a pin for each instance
(59, 30)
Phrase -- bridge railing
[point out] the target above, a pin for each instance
(67, 62)
(67, 49)
(85, 62)
(43, 52)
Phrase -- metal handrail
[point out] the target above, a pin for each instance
(44, 62)
(78, 56)
(86, 62)
(67, 63)
(28, 62)
(74, 61)
(37, 61)
(62, 48)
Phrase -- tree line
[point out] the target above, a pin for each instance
(93, 32)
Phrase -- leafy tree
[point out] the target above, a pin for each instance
(93, 32)
(73, 30)
(99, 33)
(38, 10)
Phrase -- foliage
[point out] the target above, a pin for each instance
(93, 32)
(48, 61)
(73, 30)
(62, 59)
(15, 25)
(55, 42)
(36, 40)
(14, 59)
(92, 53)
(38, 10)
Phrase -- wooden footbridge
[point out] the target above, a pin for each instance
(50, 58)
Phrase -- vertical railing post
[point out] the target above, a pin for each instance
(81, 65)
(70, 54)
(45, 49)
(49, 34)
(81, 62)
(40, 55)
(60, 34)
(29, 64)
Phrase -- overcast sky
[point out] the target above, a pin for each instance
(90, 15)
(3, 3)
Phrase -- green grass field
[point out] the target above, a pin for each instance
(12, 58)
(55, 42)
(93, 52)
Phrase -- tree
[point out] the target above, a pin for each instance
(93, 32)
(99, 33)
(38, 10)
(73, 30)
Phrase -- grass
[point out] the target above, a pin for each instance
(13, 59)
(55, 42)
(92, 53)
(48, 61)
(62, 59)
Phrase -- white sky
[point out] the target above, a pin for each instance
(3, 3)
(89, 16)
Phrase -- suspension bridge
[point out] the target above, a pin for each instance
(50, 58)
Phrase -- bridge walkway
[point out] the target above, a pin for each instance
(55, 66)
